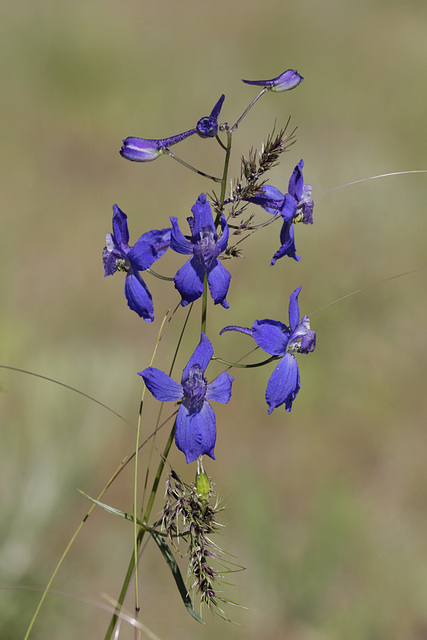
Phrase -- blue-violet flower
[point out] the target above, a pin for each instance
(277, 339)
(205, 247)
(119, 256)
(295, 206)
(195, 427)
(287, 80)
(146, 149)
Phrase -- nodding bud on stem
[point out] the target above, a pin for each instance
(145, 150)
(285, 82)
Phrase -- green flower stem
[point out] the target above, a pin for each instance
(146, 516)
(224, 174)
(70, 544)
(246, 366)
(157, 275)
(236, 124)
(226, 165)
(201, 173)
(140, 536)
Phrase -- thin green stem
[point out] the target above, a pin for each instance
(157, 275)
(220, 142)
(69, 545)
(245, 366)
(224, 175)
(236, 124)
(140, 536)
(146, 516)
(226, 165)
(185, 164)
(135, 484)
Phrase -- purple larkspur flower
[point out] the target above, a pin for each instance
(205, 247)
(294, 206)
(285, 82)
(283, 341)
(195, 426)
(119, 256)
(147, 149)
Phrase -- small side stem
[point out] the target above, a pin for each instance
(236, 124)
(245, 366)
(185, 164)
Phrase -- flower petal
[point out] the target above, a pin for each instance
(217, 108)
(284, 384)
(307, 204)
(203, 219)
(189, 281)
(219, 389)
(270, 199)
(120, 227)
(288, 244)
(289, 208)
(223, 241)
(179, 242)
(110, 255)
(294, 309)
(296, 181)
(271, 335)
(202, 355)
(307, 335)
(218, 281)
(149, 248)
(161, 385)
(195, 432)
(138, 297)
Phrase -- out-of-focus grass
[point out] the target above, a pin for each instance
(327, 505)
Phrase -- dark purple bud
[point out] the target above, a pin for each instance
(207, 127)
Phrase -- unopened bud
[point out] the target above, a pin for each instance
(202, 485)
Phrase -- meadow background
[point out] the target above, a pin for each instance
(327, 506)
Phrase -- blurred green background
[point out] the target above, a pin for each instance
(327, 506)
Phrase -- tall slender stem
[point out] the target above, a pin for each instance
(224, 174)
(140, 536)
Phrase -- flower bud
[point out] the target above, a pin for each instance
(287, 80)
(202, 485)
(146, 149)
(140, 149)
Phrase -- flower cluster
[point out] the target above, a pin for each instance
(207, 244)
